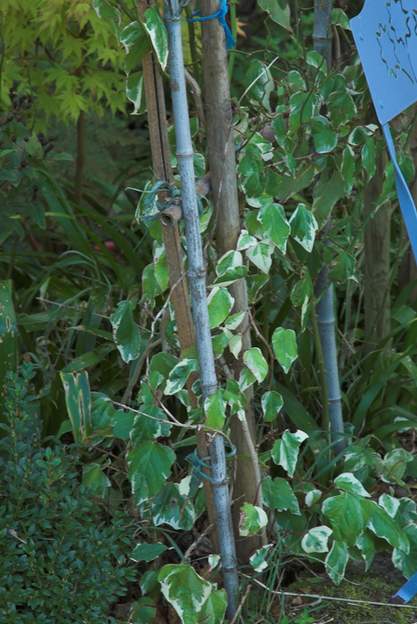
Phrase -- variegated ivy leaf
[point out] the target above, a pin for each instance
(304, 227)
(215, 410)
(383, 526)
(349, 483)
(261, 256)
(155, 27)
(316, 540)
(134, 90)
(285, 451)
(258, 559)
(257, 364)
(179, 375)
(185, 590)
(252, 520)
(336, 562)
(246, 240)
(171, 507)
(390, 504)
(284, 344)
(220, 304)
(149, 466)
(366, 545)
(126, 333)
(235, 343)
(213, 561)
(234, 320)
(312, 497)
(246, 379)
(230, 268)
(275, 224)
(272, 404)
(395, 464)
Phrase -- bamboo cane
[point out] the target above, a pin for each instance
(324, 289)
(196, 273)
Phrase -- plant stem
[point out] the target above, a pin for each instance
(197, 278)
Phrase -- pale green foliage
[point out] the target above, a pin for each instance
(76, 63)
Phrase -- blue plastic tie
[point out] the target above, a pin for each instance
(220, 15)
(408, 590)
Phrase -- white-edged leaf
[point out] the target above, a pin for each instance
(316, 540)
(285, 451)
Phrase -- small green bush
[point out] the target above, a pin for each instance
(61, 559)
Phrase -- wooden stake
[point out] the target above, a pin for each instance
(222, 165)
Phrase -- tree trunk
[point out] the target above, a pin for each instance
(222, 165)
(377, 261)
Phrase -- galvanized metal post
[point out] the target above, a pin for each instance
(197, 280)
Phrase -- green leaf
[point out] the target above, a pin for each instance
(336, 562)
(171, 507)
(95, 479)
(316, 540)
(257, 364)
(126, 333)
(366, 545)
(346, 516)
(143, 611)
(278, 495)
(220, 304)
(215, 410)
(279, 11)
(383, 526)
(179, 375)
(394, 465)
(252, 520)
(275, 224)
(230, 268)
(304, 227)
(272, 404)
(349, 483)
(258, 559)
(134, 89)
(156, 30)
(185, 590)
(108, 13)
(285, 451)
(131, 34)
(214, 609)
(339, 18)
(149, 466)
(325, 138)
(284, 344)
(78, 402)
(261, 256)
(8, 334)
(390, 504)
(147, 552)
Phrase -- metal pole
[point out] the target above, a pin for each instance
(197, 279)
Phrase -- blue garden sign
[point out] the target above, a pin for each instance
(385, 34)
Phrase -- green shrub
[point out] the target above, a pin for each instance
(61, 559)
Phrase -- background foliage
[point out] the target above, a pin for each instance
(83, 257)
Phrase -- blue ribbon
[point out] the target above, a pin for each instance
(220, 15)
(405, 198)
(408, 590)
